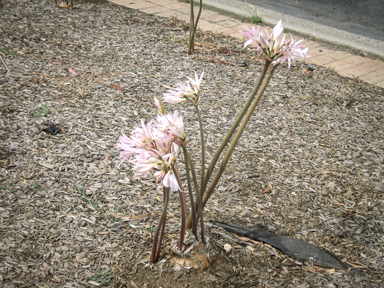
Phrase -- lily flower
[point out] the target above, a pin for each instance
(154, 147)
(185, 92)
(275, 47)
(173, 124)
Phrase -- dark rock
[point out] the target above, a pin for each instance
(312, 67)
(52, 129)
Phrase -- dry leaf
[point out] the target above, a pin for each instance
(46, 75)
(64, 5)
(266, 191)
(117, 87)
(140, 216)
(94, 283)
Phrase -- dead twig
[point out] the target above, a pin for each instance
(10, 71)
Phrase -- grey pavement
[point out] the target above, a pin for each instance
(343, 28)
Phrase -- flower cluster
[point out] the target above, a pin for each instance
(155, 146)
(275, 46)
(185, 92)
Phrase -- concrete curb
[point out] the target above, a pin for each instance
(310, 29)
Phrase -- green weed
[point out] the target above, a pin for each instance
(56, 225)
(41, 112)
(254, 13)
(7, 51)
(94, 203)
(256, 19)
(102, 278)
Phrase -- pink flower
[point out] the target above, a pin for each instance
(185, 92)
(159, 106)
(173, 125)
(155, 146)
(196, 82)
(275, 47)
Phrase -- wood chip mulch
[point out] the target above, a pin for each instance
(309, 165)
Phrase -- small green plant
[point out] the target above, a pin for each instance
(133, 70)
(9, 187)
(113, 218)
(36, 184)
(94, 203)
(149, 229)
(56, 225)
(42, 111)
(102, 278)
(7, 51)
(301, 132)
(255, 18)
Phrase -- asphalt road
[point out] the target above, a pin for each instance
(361, 17)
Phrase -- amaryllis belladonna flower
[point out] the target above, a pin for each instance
(275, 46)
(154, 146)
(185, 92)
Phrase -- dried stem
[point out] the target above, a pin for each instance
(10, 71)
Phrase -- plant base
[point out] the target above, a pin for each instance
(197, 258)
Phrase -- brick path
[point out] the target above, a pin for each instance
(346, 64)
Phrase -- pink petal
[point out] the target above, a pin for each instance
(72, 72)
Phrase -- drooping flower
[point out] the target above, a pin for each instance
(174, 125)
(185, 92)
(275, 47)
(154, 147)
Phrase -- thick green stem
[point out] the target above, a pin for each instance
(184, 203)
(191, 27)
(202, 149)
(161, 237)
(160, 224)
(194, 178)
(183, 206)
(234, 126)
(199, 199)
(197, 19)
(193, 211)
(236, 138)
(182, 228)
(208, 192)
(191, 48)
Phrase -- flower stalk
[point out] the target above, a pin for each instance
(236, 138)
(183, 207)
(193, 27)
(155, 145)
(199, 200)
(193, 211)
(202, 149)
(156, 250)
(234, 126)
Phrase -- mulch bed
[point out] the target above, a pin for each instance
(309, 165)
